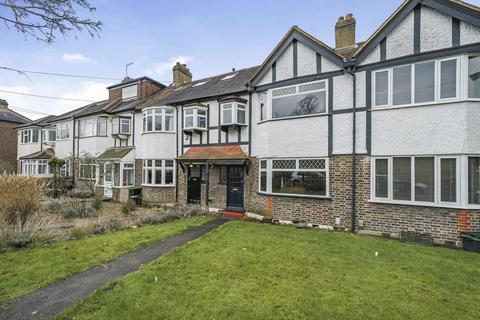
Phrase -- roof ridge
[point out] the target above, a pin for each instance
(218, 75)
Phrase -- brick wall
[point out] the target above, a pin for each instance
(8, 147)
(146, 88)
(158, 195)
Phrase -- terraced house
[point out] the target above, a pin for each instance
(377, 136)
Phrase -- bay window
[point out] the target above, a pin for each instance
(63, 131)
(422, 82)
(121, 125)
(29, 136)
(102, 126)
(48, 135)
(158, 172)
(159, 120)
(381, 178)
(195, 118)
(299, 100)
(35, 167)
(233, 113)
(296, 177)
(448, 180)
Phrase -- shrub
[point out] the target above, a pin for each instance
(128, 207)
(80, 193)
(109, 224)
(53, 205)
(21, 197)
(36, 228)
(73, 208)
(97, 203)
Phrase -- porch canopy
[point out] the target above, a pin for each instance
(42, 154)
(220, 155)
(116, 153)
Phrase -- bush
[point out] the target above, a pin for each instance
(73, 208)
(21, 197)
(80, 193)
(97, 203)
(53, 205)
(110, 224)
(36, 228)
(128, 207)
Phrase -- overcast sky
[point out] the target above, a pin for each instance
(210, 36)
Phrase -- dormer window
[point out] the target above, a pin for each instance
(129, 92)
(121, 126)
(195, 118)
(233, 112)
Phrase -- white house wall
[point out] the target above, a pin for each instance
(267, 78)
(284, 65)
(361, 94)
(436, 30)
(64, 148)
(372, 57)
(342, 92)
(153, 145)
(26, 148)
(307, 60)
(469, 33)
(342, 125)
(400, 40)
(434, 129)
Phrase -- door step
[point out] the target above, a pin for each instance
(233, 214)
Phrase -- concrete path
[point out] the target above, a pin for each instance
(50, 301)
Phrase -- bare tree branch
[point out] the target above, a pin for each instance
(44, 19)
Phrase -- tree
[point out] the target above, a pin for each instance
(307, 105)
(56, 164)
(43, 19)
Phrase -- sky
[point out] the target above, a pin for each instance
(211, 37)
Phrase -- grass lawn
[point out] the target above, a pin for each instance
(24, 271)
(253, 271)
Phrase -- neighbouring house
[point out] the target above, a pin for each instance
(9, 119)
(379, 136)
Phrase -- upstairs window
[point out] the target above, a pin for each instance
(423, 82)
(129, 92)
(233, 113)
(299, 100)
(195, 118)
(120, 125)
(159, 120)
(102, 126)
(90, 127)
(29, 136)
(63, 131)
(474, 77)
(48, 135)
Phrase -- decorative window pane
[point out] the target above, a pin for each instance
(402, 179)
(474, 77)
(402, 85)
(284, 164)
(263, 164)
(312, 86)
(381, 88)
(381, 178)
(448, 79)
(474, 180)
(425, 179)
(448, 183)
(425, 82)
(284, 91)
(312, 164)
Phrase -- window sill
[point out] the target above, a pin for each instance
(150, 132)
(294, 118)
(60, 140)
(426, 204)
(426, 104)
(285, 195)
(158, 185)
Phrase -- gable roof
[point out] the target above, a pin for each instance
(455, 8)
(42, 122)
(212, 87)
(295, 33)
(42, 154)
(8, 115)
(115, 153)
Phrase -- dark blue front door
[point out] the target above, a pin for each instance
(235, 188)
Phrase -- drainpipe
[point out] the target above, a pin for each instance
(354, 151)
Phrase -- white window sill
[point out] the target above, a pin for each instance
(426, 104)
(150, 132)
(294, 195)
(426, 204)
(59, 140)
(295, 117)
(158, 185)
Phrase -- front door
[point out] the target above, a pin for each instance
(235, 188)
(194, 186)
(108, 181)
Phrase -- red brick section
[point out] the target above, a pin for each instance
(8, 147)
(463, 221)
(232, 214)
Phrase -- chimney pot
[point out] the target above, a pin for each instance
(181, 74)
(233, 69)
(127, 78)
(345, 31)
(3, 103)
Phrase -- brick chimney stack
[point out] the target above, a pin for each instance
(345, 31)
(181, 74)
(3, 103)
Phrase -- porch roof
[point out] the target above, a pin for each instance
(217, 153)
(116, 153)
(42, 154)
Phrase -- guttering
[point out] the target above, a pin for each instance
(350, 70)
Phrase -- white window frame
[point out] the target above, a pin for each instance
(65, 169)
(46, 135)
(195, 117)
(163, 169)
(130, 92)
(270, 99)
(130, 167)
(234, 107)
(461, 182)
(87, 165)
(270, 169)
(63, 131)
(162, 112)
(83, 123)
(26, 136)
(31, 167)
(437, 100)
